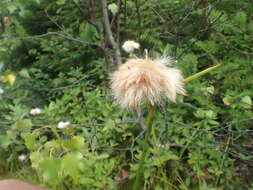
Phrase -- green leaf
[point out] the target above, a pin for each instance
(53, 144)
(86, 181)
(227, 100)
(30, 141)
(5, 141)
(210, 89)
(24, 125)
(88, 32)
(200, 113)
(109, 124)
(36, 158)
(76, 143)
(241, 18)
(11, 8)
(247, 100)
(60, 2)
(51, 169)
(72, 165)
(24, 73)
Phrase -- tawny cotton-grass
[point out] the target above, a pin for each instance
(145, 80)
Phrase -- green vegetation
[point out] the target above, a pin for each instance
(57, 56)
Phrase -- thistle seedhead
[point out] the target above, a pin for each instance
(129, 46)
(145, 80)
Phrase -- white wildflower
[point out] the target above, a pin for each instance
(129, 46)
(63, 125)
(22, 157)
(1, 91)
(35, 111)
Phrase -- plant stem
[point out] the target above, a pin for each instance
(140, 172)
(222, 161)
(199, 74)
(151, 115)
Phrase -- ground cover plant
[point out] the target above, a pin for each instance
(60, 126)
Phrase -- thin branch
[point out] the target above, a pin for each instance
(68, 37)
(109, 34)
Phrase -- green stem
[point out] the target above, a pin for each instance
(140, 172)
(151, 115)
(222, 162)
(199, 74)
(188, 142)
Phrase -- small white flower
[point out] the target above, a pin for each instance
(1, 91)
(22, 157)
(35, 111)
(129, 46)
(63, 125)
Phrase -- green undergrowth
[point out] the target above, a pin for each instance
(204, 142)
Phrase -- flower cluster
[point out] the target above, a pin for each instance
(146, 80)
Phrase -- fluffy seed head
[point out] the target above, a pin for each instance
(145, 80)
(129, 46)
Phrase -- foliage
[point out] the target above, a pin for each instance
(55, 55)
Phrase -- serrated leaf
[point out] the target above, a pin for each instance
(36, 158)
(76, 143)
(72, 165)
(30, 141)
(51, 168)
(24, 125)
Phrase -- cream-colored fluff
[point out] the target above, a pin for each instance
(145, 80)
(129, 46)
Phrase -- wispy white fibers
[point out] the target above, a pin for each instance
(129, 46)
(146, 80)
